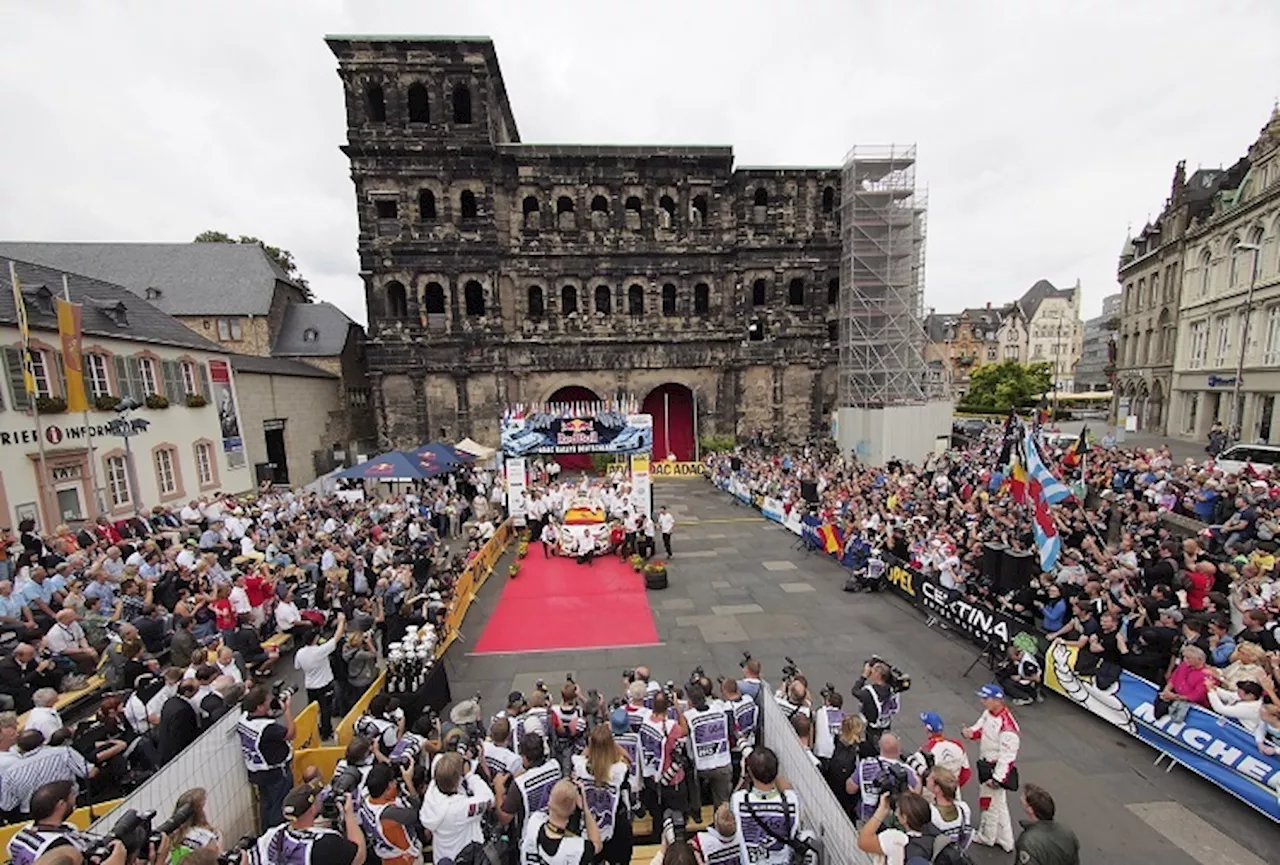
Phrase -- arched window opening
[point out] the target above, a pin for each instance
(604, 300)
(633, 212)
(755, 331)
(433, 299)
(701, 299)
(1206, 272)
(419, 105)
(666, 211)
(532, 212)
(568, 300)
(462, 104)
(762, 197)
(758, 292)
(375, 103)
(426, 205)
(467, 203)
(698, 212)
(1233, 277)
(564, 212)
(1255, 256)
(833, 330)
(829, 200)
(599, 212)
(537, 305)
(833, 291)
(795, 292)
(635, 300)
(473, 296)
(760, 210)
(668, 299)
(397, 301)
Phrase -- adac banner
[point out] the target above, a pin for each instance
(1216, 749)
(674, 469)
(607, 432)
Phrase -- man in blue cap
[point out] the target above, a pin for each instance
(629, 741)
(998, 738)
(947, 753)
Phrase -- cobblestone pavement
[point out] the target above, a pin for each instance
(737, 583)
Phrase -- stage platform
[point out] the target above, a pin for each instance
(556, 604)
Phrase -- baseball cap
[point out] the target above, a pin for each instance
(515, 698)
(1173, 613)
(932, 721)
(619, 721)
(991, 692)
(299, 800)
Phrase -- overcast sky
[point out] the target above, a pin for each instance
(1044, 129)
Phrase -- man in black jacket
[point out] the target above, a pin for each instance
(179, 722)
(22, 674)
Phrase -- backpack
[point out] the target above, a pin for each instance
(932, 847)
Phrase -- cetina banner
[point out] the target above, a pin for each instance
(1215, 748)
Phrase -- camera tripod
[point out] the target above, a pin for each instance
(990, 654)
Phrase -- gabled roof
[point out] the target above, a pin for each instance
(178, 278)
(251, 363)
(1043, 289)
(312, 330)
(101, 306)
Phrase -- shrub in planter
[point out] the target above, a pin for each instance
(106, 402)
(196, 400)
(51, 404)
(655, 576)
(522, 550)
(155, 400)
(655, 568)
(514, 569)
(637, 563)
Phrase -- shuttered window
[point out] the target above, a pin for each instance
(173, 390)
(13, 372)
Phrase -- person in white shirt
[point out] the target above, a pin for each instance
(191, 513)
(913, 815)
(313, 661)
(240, 597)
(287, 616)
(454, 807)
(44, 717)
(666, 524)
(66, 638)
(486, 529)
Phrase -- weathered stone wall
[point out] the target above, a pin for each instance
(497, 272)
(307, 406)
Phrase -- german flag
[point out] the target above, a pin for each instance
(829, 536)
(1076, 453)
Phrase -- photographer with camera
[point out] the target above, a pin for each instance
(885, 773)
(454, 807)
(301, 842)
(746, 717)
(896, 845)
(389, 815)
(827, 720)
(568, 725)
(767, 815)
(662, 737)
(548, 838)
(268, 754)
(711, 741)
(750, 683)
(498, 756)
(528, 792)
(877, 690)
(382, 723)
(51, 806)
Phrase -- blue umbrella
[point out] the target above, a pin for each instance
(391, 466)
(436, 458)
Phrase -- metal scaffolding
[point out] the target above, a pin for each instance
(882, 333)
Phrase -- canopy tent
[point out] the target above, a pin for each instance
(477, 450)
(437, 458)
(391, 466)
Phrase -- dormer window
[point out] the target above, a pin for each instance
(153, 293)
(117, 312)
(40, 298)
(310, 335)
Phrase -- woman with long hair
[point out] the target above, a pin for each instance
(194, 833)
(603, 770)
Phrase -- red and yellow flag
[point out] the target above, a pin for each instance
(830, 537)
(72, 359)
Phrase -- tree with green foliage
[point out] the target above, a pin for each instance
(1002, 386)
(282, 257)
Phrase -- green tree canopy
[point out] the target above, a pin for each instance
(1002, 386)
(282, 257)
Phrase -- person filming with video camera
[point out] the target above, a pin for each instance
(51, 806)
(878, 689)
(301, 842)
(265, 745)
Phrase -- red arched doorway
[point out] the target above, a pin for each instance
(672, 408)
(573, 393)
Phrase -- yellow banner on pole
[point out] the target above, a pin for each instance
(24, 331)
(72, 358)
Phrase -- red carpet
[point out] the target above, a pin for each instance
(556, 604)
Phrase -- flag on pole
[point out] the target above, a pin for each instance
(1017, 477)
(829, 536)
(72, 359)
(1043, 490)
(1075, 454)
(1051, 489)
(1006, 450)
(24, 331)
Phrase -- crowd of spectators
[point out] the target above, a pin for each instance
(1167, 570)
(170, 615)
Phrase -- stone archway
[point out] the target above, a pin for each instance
(574, 393)
(672, 407)
(1155, 407)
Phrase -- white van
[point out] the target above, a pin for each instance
(1261, 458)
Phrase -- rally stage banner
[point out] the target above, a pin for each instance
(583, 432)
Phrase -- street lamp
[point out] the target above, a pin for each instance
(127, 428)
(1232, 427)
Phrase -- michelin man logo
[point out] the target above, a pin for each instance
(1104, 704)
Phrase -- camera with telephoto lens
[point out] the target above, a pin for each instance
(279, 693)
(629, 675)
(897, 680)
(232, 856)
(790, 670)
(827, 690)
(133, 830)
(343, 782)
(892, 779)
(698, 674)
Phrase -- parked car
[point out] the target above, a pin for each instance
(1260, 458)
(972, 427)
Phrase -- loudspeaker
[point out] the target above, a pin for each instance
(993, 559)
(809, 492)
(735, 463)
(1015, 571)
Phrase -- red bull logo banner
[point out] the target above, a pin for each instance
(576, 428)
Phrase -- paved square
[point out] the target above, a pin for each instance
(722, 629)
(720, 584)
(676, 604)
(779, 566)
(794, 588)
(734, 609)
